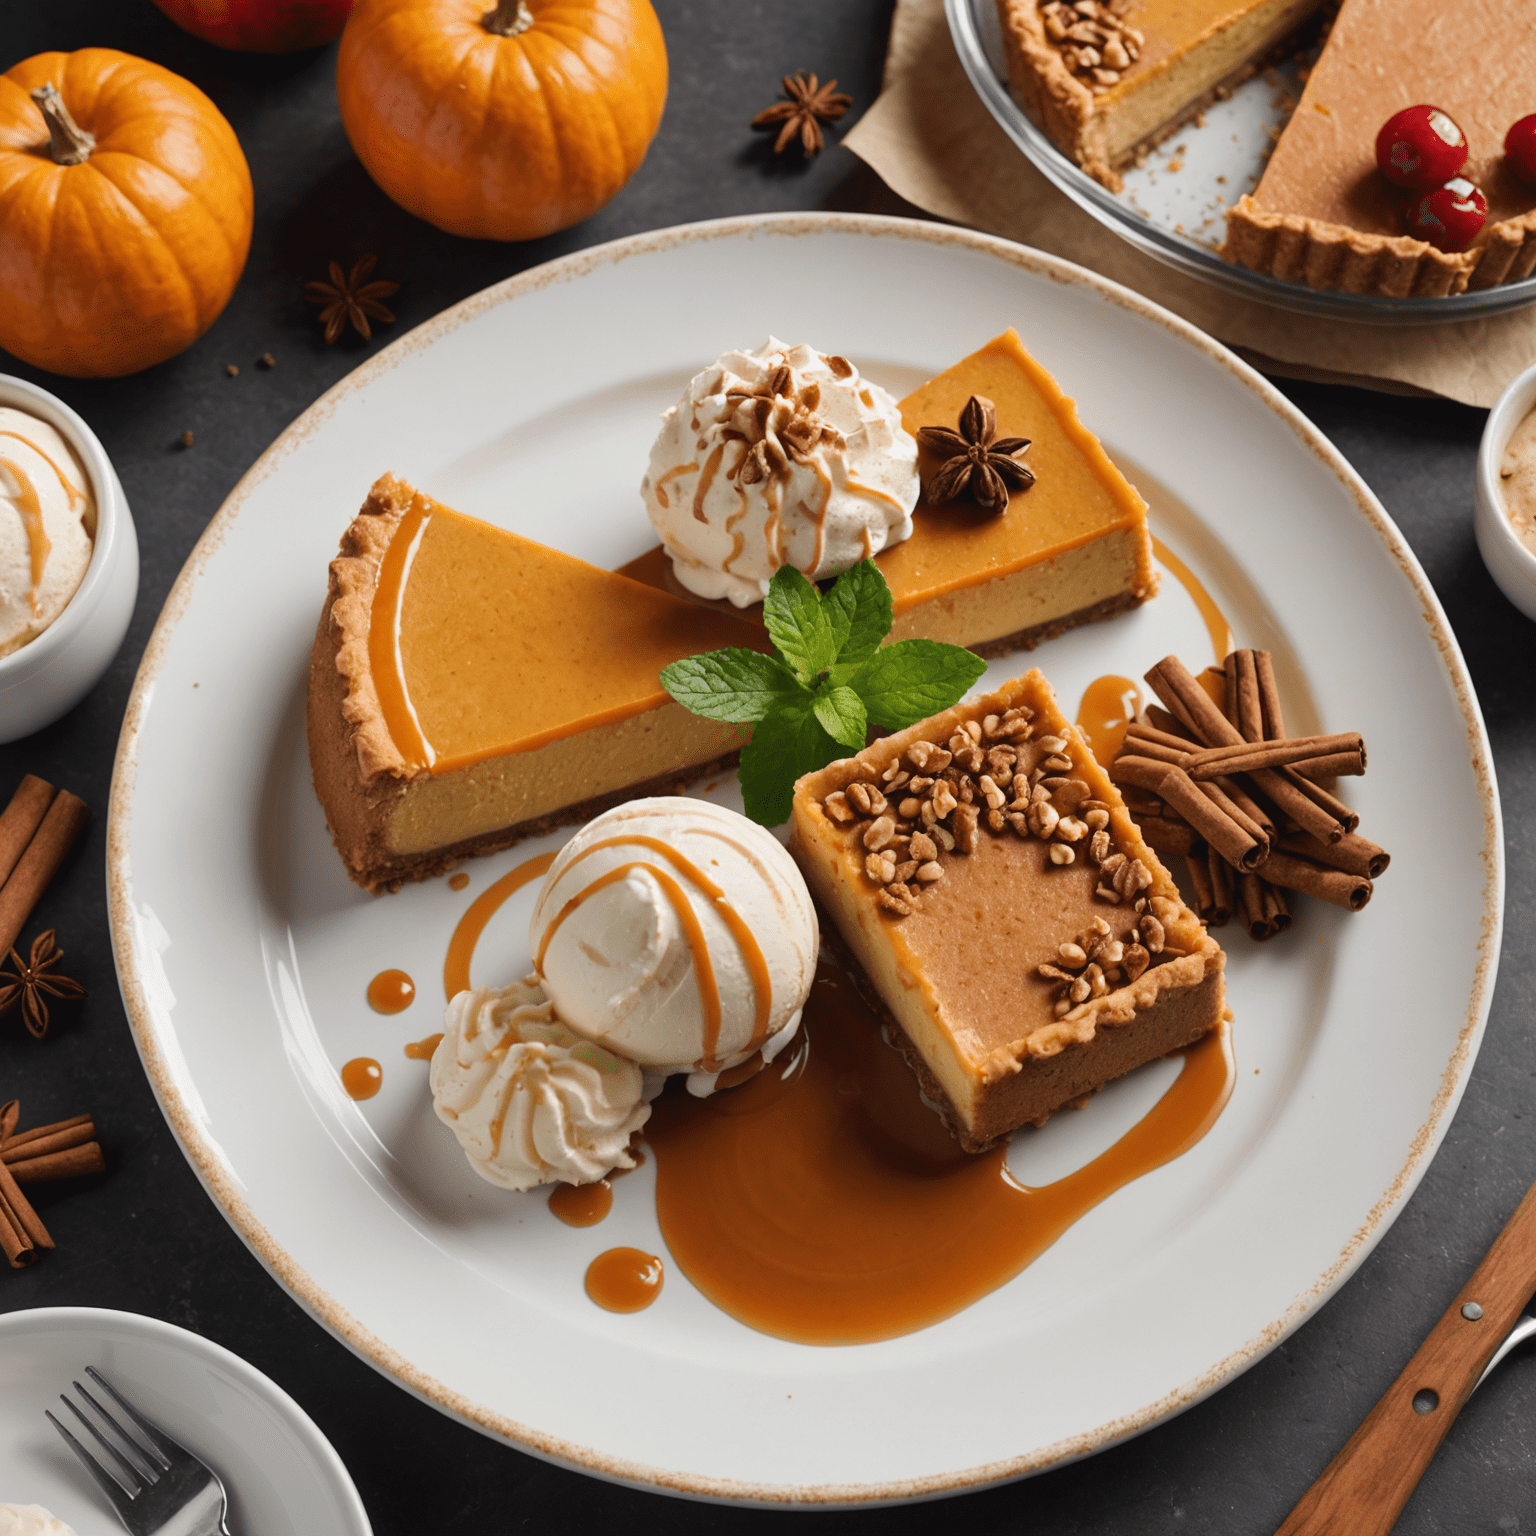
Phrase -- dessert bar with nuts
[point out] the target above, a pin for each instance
(1024, 941)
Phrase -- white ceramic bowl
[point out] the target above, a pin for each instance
(282, 1476)
(49, 676)
(1509, 562)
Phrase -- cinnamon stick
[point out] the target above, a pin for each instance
(1334, 765)
(71, 1163)
(21, 1214)
(1333, 885)
(1352, 853)
(1345, 747)
(46, 1139)
(1329, 805)
(1161, 720)
(1221, 888)
(1262, 907)
(1137, 732)
(56, 834)
(1188, 701)
(1269, 697)
(1200, 878)
(1244, 706)
(1210, 818)
(14, 1242)
(10, 1113)
(1251, 807)
(21, 819)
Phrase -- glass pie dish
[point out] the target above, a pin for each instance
(1173, 207)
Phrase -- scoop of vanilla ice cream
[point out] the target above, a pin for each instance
(778, 457)
(678, 934)
(47, 525)
(530, 1101)
(30, 1520)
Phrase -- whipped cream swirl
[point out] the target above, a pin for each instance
(529, 1100)
(780, 456)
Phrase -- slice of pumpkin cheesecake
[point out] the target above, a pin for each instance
(1023, 941)
(470, 687)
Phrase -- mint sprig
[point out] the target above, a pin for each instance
(831, 678)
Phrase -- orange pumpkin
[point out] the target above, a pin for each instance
(125, 212)
(501, 124)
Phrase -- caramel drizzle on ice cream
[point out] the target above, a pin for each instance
(31, 511)
(709, 990)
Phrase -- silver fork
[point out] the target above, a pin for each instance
(156, 1485)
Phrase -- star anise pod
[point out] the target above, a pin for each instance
(808, 107)
(974, 461)
(31, 983)
(350, 296)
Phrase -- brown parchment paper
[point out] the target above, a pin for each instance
(931, 140)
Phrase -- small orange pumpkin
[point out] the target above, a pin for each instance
(502, 124)
(125, 212)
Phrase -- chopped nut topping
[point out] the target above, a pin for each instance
(1091, 40)
(1062, 853)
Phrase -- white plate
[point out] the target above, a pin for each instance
(281, 1475)
(243, 950)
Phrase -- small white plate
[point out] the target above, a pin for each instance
(244, 952)
(281, 1475)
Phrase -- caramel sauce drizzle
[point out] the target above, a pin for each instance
(423, 1050)
(70, 488)
(869, 490)
(581, 1205)
(362, 1077)
(672, 474)
(1109, 705)
(31, 510)
(703, 967)
(391, 992)
(706, 479)
(1215, 620)
(738, 539)
(384, 658)
(624, 1279)
(751, 951)
(461, 947)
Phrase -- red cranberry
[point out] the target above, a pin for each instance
(1449, 217)
(1520, 146)
(1421, 147)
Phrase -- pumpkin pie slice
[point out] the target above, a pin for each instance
(470, 687)
(1024, 942)
(1105, 81)
(1071, 549)
(1323, 215)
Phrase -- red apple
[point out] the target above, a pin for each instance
(260, 26)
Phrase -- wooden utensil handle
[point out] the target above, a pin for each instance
(1366, 1485)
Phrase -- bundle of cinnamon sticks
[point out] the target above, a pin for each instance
(67, 1149)
(37, 830)
(1213, 777)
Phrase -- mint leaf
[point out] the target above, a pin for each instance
(842, 716)
(787, 742)
(859, 609)
(800, 630)
(902, 683)
(734, 685)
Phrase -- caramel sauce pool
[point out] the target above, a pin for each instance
(825, 1203)
(1109, 705)
(582, 1205)
(624, 1279)
(391, 992)
(362, 1077)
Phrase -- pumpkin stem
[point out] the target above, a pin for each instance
(509, 18)
(68, 142)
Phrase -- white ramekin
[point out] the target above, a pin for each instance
(1509, 562)
(51, 674)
